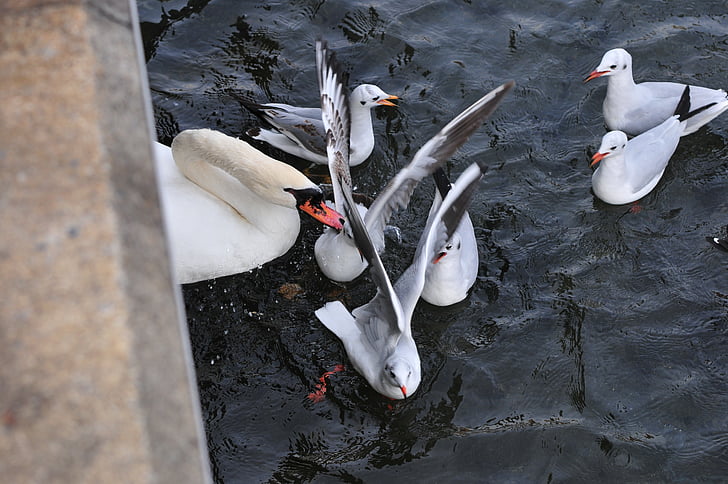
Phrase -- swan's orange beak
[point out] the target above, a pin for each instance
(323, 213)
(597, 158)
(387, 102)
(594, 75)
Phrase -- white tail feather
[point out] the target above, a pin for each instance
(337, 319)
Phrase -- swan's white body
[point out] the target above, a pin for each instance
(635, 108)
(225, 206)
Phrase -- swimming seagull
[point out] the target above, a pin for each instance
(636, 108)
(300, 132)
(228, 207)
(452, 273)
(336, 253)
(629, 170)
(377, 336)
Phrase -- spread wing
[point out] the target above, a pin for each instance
(436, 233)
(381, 319)
(336, 120)
(433, 154)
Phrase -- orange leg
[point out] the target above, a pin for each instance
(635, 208)
(318, 394)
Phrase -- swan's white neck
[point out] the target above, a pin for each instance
(239, 175)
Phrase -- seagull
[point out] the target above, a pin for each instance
(300, 132)
(452, 273)
(229, 208)
(377, 336)
(636, 108)
(718, 242)
(629, 170)
(336, 253)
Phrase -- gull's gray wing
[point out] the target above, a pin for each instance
(434, 153)
(437, 232)
(336, 120)
(382, 319)
(303, 126)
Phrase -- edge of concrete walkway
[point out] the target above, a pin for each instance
(96, 370)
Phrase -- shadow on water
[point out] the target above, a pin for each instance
(593, 345)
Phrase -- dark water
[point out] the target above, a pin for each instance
(594, 344)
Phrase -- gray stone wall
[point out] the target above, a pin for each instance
(96, 379)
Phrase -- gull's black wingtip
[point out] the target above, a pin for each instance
(719, 243)
(442, 182)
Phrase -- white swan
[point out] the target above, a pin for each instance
(229, 208)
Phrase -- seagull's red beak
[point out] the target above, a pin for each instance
(439, 257)
(323, 213)
(387, 102)
(594, 75)
(597, 158)
(404, 390)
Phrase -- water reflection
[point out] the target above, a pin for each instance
(406, 432)
(616, 455)
(166, 125)
(593, 344)
(154, 32)
(255, 51)
(572, 315)
(306, 8)
(359, 25)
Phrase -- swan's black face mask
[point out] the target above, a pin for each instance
(311, 201)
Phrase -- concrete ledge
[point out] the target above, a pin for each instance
(95, 368)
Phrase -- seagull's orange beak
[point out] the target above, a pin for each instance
(386, 101)
(323, 213)
(597, 158)
(439, 257)
(594, 75)
(404, 390)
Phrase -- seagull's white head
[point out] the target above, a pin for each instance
(615, 61)
(401, 378)
(613, 143)
(449, 250)
(370, 96)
